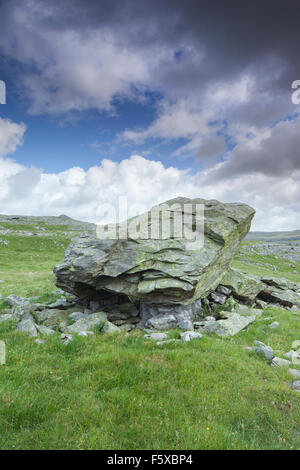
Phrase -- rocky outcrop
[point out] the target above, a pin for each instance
(161, 273)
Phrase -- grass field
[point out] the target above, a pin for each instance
(124, 392)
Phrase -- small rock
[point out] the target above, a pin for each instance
(162, 322)
(208, 318)
(265, 351)
(223, 290)
(110, 328)
(295, 358)
(259, 343)
(13, 300)
(184, 323)
(296, 344)
(95, 320)
(6, 316)
(279, 362)
(157, 336)
(39, 341)
(218, 298)
(295, 373)
(85, 333)
(44, 330)
(77, 316)
(28, 326)
(274, 325)
(296, 385)
(160, 343)
(188, 335)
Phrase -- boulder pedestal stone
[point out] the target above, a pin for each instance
(167, 275)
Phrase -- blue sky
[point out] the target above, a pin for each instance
(149, 102)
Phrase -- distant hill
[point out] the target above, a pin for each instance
(293, 235)
(47, 220)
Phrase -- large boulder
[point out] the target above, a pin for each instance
(161, 271)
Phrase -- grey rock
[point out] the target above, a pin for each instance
(95, 320)
(296, 344)
(162, 322)
(28, 326)
(279, 362)
(14, 300)
(296, 385)
(289, 355)
(168, 341)
(295, 358)
(209, 318)
(39, 341)
(156, 336)
(259, 343)
(244, 287)
(44, 330)
(223, 290)
(286, 298)
(229, 327)
(184, 314)
(274, 325)
(188, 335)
(184, 323)
(163, 270)
(218, 298)
(110, 328)
(295, 373)
(280, 283)
(6, 317)
(77, 316)
(265, 351)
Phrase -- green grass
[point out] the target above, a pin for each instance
(124, 392)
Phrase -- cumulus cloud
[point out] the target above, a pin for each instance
(82, 194)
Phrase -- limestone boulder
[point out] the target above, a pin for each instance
(164, 270)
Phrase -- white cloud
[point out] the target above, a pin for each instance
(11, 136)
(80, 193)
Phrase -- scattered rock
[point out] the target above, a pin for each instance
(295, 358)
(188, 335)
(296, 385)
(223, 290)
(218, 298)
(265, 351)
(296, 344)
(44, 330)
(39, 341)
(6, 317)
(162, 322)
(28, 326)
(95, 320)
(160, 343)
(274, 325)
(156, 336)
(279, 362)
(110, 328)
(295, 373)
(229, 327)
(14, 300)
(77, 316)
